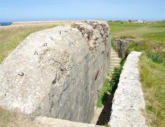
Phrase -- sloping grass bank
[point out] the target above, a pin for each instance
(152, 73)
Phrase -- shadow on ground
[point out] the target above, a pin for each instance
(106, 112)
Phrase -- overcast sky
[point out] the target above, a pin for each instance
(28, 10)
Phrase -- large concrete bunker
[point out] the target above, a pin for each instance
(57, 72)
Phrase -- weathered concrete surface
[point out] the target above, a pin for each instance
(97, 112)
(57, 72)
(128, 99)
(50, 122)
(121, 46)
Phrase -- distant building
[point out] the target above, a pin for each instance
(136, 21)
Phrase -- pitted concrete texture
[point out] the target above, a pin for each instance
(121, 46)
(57, 72)
(128, 101)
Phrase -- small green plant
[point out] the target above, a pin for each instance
(110, 86)
(154, 57)
(122, 62)
(134, 46)
(115, 79)
(105, 90)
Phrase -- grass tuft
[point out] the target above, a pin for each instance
(105, 90)
(155, 57)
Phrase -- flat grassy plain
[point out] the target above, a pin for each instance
(152, 31)
(148, 38)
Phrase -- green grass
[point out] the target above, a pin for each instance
(153, 82)
(148, 38)
(105, 90)
(145, 32)
(155, 36)
(109, 86)
(155, 57)
(117, 27)
(11, 37)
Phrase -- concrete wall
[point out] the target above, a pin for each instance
(128, 101)
(121, 45)
(57, 72)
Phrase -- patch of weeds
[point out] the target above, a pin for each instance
(115, 79)
(153, 81)
(134, 46)
(123, 61)
(154, 57)
(107, 97)
(110, 86)
(105, 90)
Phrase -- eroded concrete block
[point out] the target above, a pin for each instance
(57, 72)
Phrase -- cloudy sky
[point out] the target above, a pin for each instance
(27, 10)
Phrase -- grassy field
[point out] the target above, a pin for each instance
(153, 80)
(146, 31)
(150, 39)
(11, 36)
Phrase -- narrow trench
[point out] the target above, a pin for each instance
(106, 112)
(107, 100)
